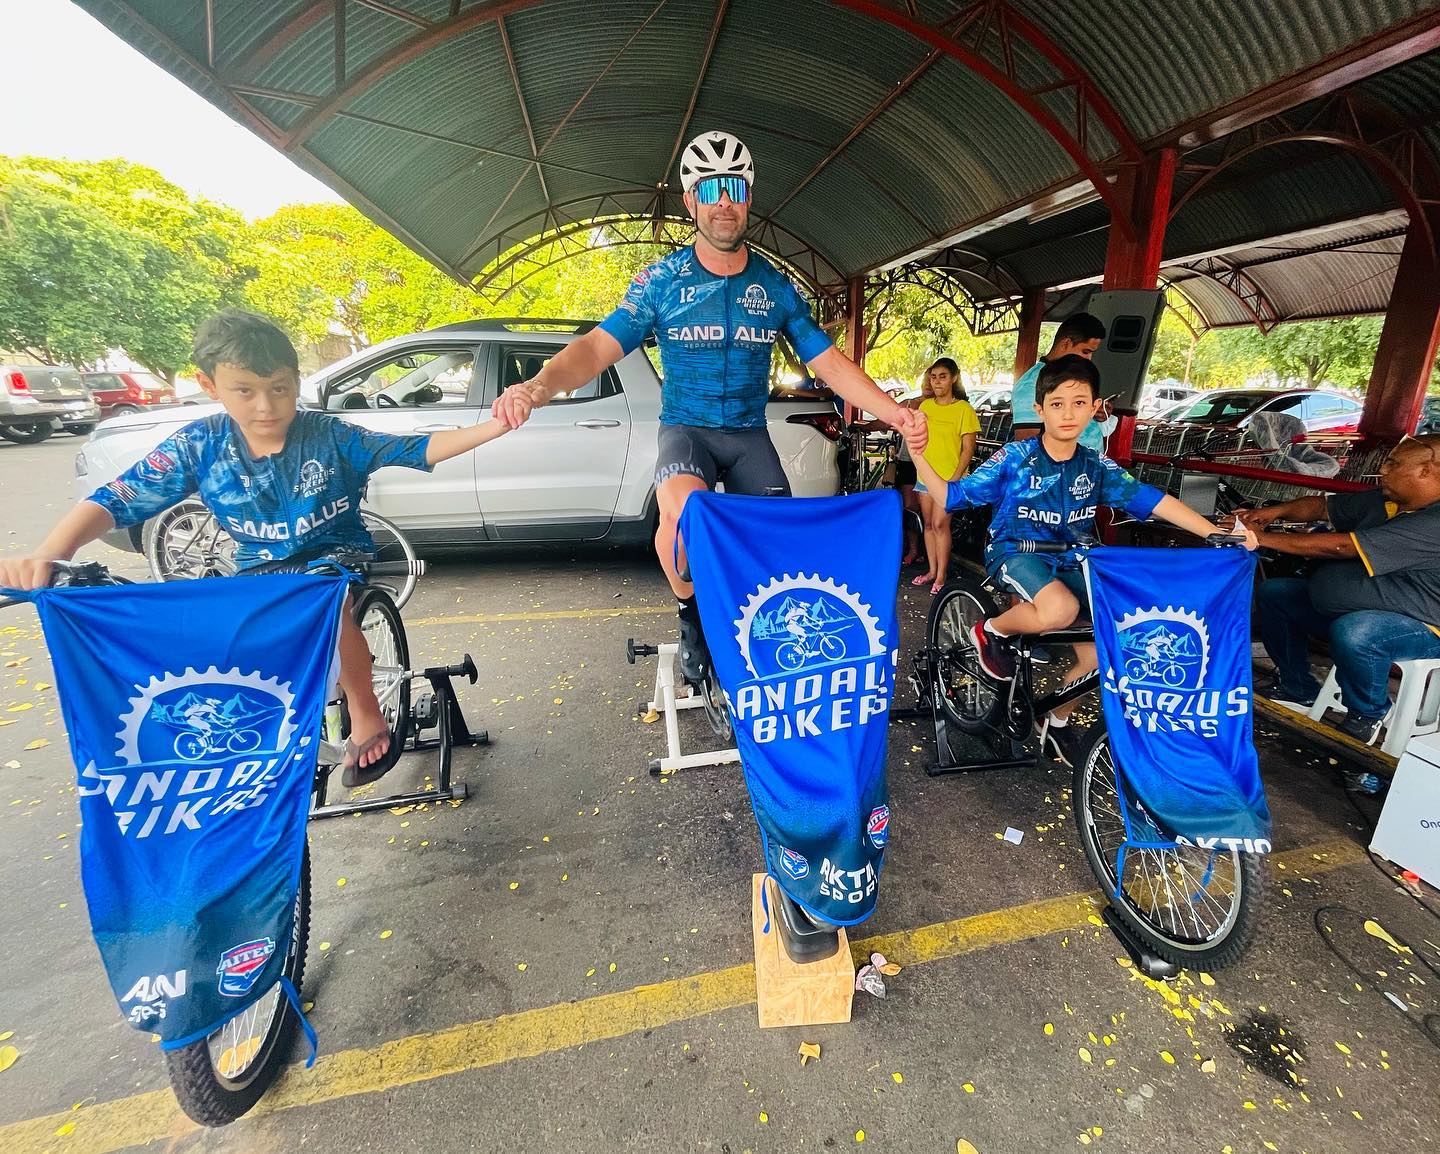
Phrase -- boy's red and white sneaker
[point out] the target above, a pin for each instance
(994, 653)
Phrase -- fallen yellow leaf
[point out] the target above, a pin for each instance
(859, 1135)
(8, 1057)
(809, 1050)
(385, 934)
(1084, 1054)
(38, 743)
(1049, 1028)
(1168, 1056)
(1373, 928)
(764, 1117)
(964, 1147)
(897, 1077)
(889, 969)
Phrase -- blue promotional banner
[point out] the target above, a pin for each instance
(1172, 631)
(797, 597)
(193, 710)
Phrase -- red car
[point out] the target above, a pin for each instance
(118, 393)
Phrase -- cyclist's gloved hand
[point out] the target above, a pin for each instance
(26, 572)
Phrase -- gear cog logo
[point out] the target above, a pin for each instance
(803, 620)
(211, 715)
(1164, 648)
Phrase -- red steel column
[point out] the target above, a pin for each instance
(1408, 340)
(1027, 346)
(1133, 262)
(855, 320)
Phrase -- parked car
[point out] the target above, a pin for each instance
(581, 469)
(118, 393)
(1158, 396)
(1321, 410)
(37, 398)
(991, 400)
(1429, 417)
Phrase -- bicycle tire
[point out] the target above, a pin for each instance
(211, 1098)
(968, 699)
(185, 542)
(1096, 804)
(393, 650)
(390, 545)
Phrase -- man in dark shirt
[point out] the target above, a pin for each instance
(1377, 599)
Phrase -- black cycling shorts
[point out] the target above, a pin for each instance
(744, 460)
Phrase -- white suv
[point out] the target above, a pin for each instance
(581, 469)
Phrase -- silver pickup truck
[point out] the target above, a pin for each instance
(36, 399)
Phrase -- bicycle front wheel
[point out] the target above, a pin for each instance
(1193, 907)
(220, 1078)
(969, 700)
(185, 542)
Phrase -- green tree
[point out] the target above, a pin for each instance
(110, 255)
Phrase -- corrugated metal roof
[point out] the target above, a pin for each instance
(435, 145)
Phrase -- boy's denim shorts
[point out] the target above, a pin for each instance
(1028, 573)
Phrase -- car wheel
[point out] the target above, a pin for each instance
(26, 434)
(81, 430)
(123, 410)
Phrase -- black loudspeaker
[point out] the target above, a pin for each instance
(1131, 318)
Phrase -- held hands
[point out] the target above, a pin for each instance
(516, 403)
(25, 573)
(1258, 518)
(1239, 527)
(911, 425)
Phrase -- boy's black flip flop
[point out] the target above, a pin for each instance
(354, 774)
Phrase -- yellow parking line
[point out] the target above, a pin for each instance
(548, 615)
(148, 1117)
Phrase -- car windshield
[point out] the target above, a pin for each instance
(149, 381)
(1220, 408)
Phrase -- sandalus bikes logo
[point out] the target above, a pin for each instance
(197, 745)
(754, 301)
(1166, 661)
(819, 655)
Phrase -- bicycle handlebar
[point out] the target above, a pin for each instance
(394, 568)
(1214, 540)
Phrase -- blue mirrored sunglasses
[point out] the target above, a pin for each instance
(708, 191)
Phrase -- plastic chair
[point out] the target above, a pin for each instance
(1416, 710)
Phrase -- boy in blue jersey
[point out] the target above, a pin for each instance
(285, 483)
(715, 309)
(1047, 488)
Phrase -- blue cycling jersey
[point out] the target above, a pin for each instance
(716, 334)
(303, 499)
(1037, 498)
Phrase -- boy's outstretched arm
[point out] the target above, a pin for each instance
(449, 443)
(1182, 516)
(86, 522)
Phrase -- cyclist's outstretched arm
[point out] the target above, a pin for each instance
(1303, 509)
(1182, 516)
(581, 360)
(86, 522)
(852, 383)
(449, 443)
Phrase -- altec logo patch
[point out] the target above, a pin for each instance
(793, 864)
(877, 827)
(240, 966)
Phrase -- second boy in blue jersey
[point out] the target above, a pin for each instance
(715, 309)
(1048, 488)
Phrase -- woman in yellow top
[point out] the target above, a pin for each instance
(953, 429)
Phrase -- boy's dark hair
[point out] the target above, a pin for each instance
(245, 340)
(1080, 328)
(1063, 370)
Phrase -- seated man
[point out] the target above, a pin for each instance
(1047, 488)
(1376, 598)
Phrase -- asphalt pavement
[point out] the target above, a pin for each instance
(560, 961)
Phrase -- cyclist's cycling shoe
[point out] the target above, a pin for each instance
(805, 939)
(997, 659)
(694, 653)
(1060, 743)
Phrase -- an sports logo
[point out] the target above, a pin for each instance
(1082, 487)
(240, 966)
(877, 826)
(794, 864)
(1165, 648)
(157, 464)
(803, 620)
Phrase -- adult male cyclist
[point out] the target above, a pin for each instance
(715, 309)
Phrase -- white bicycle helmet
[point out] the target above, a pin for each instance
(715, 154)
